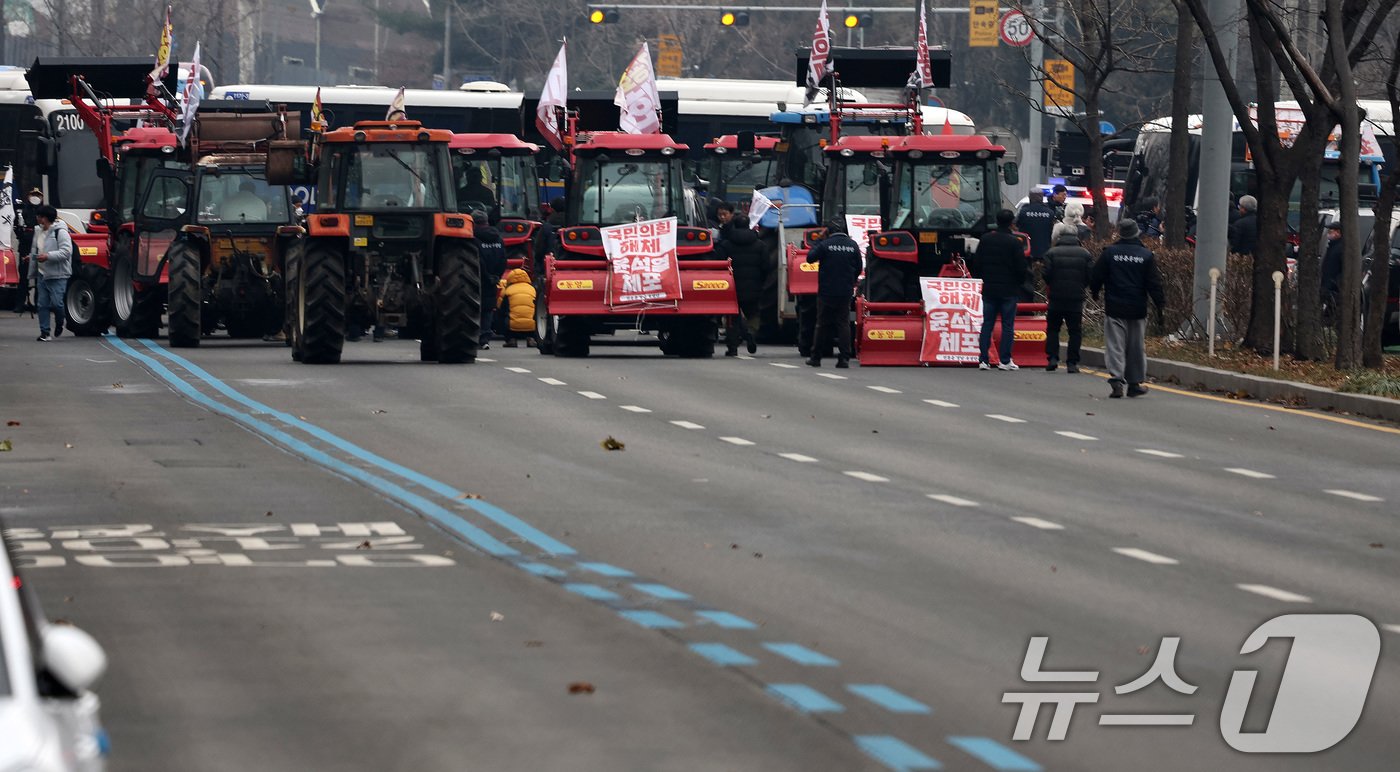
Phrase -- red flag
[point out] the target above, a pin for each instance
(820, 56)
(923, 72)
(554, 95)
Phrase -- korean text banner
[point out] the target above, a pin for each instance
(952, 320)
(642, 262)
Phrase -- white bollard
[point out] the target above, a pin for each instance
(1278, 311)
(1210, 323)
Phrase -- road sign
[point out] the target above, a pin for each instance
(669, 60)
(982, 23)
(1059, 84)
(1016, 29)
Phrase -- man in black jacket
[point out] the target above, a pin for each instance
(1243, 233)
(1127, 274)
(1066, 274)
(1037, 220)
(493, 267)
(1332, 273)
(840, 266)
(746, 253)
(1000, 262)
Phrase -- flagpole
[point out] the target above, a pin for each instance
(447, 45)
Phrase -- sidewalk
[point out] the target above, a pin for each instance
(1293, 393)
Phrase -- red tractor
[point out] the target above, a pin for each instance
(496, 173)
(619, 179)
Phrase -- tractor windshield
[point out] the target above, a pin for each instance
(614, 192)
(740, 175)
(241, 197)
(942, 196)
(483, 183)
(388, 174)
(862, 191)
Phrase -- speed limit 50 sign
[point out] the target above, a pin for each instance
(1016, 29)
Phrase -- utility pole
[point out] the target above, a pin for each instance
(447, 45)
(1217, 131)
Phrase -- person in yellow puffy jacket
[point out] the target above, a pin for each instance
(519, 301)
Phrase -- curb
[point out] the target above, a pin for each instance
(1260, 388)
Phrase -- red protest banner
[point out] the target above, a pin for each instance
(952, 320)
(642, 262)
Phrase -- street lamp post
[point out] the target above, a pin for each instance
(317, 11)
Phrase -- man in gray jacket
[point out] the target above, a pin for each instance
(50, 265)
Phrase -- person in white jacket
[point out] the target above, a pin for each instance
(50, 265)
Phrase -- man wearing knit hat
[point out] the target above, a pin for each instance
(1126, 273)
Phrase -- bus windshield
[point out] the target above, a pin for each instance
(241, 197)
(951, 196)
(615, 192)
(381, 175)
(75, 182)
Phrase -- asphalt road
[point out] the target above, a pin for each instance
(392, 565)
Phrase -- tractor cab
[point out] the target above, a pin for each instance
(734, 165)
(624, 178)
(495, 173)
(945, 193)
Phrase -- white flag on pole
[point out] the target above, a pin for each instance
(193, 92)
(396, 108)
(636, 95)
(820, 56)
(758, 207)
(554, 99)
(922, 76)
(7, 210)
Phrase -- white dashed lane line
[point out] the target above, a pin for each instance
(553, 381)
(517, 370)
(954, 500)
(784, 365)
(1159, 453)
(1006, 418)
(484, 359)
(1035, 522)
(940, 403)
(866, 476)
(884, 389)
(798, 457)
(1077, 436)
(1275, 593)
(1353, 495)
(832, 376)
(591, 395)
(1146, 557)
(634, 409)
(1241, 471)
(1391, 628)
(687, 425)
(736, 440)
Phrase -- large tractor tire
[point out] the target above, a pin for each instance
(291, 267)
(544, 326)
(186, 291)
(136, 312)
(691, 338)
(571, 336)
(321, 305)
(457, 304)
(885, 280)
(88, 302)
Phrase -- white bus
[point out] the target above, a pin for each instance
(50, 149)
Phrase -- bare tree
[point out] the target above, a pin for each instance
(1371, 352)
(1179, 164)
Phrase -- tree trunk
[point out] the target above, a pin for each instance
(1349, 327)
(1372, 355)
(1174, 207)
(1090, 127)
(1309, 343)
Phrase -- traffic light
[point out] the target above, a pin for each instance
(600, 15)
(734, 18)
(854, 20)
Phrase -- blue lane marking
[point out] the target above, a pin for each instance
(888, 698)
(652, 619)
(488, 510)
(722, 655)
(996, 755)
(661, 591)
(801, 654)
(543, 569)
(894, 753)
(805, 698)
(481, 539)
(605, 569)
(726, 619)
(592, 591)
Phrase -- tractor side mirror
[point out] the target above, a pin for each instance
(746, 142)
(104, 169)
(1011, 173)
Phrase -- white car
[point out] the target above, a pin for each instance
(48, 718)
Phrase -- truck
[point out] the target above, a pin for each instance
(620, 178)
(386, 245)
